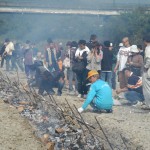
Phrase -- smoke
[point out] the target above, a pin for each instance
(38, 27)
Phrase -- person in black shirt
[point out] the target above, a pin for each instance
(133, 92)
(93, 39)
(46, 80)
(106, 65)
(141, 50)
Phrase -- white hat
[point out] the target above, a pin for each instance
(111, 44)
(60, 44)
(120, 44)
(134, 49)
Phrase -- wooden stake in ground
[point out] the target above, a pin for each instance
(104, 133)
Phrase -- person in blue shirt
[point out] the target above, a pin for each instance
(99, 96)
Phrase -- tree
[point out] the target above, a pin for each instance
(134, 24)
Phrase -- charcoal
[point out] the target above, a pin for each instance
(44, 116)
(75, 147)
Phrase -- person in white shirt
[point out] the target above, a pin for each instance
(122, 57)
(81, 72)
(8, 53)
(146, 72)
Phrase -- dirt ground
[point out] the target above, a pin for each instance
(128, 122)
(15, 131)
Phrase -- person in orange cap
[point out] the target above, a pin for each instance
(99, 96)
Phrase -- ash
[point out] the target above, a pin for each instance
(58, 127)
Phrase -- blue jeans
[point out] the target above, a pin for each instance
(60, 85)
(19, 62)
(13, 63)
(7, 58)
(28, 70)
(107, 76)
(133, 96)
(113, 80)
(71, 76)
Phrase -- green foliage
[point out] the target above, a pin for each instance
(133, 24)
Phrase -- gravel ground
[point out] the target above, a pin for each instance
(128, 122)
(15, 131)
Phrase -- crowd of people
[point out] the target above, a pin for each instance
(88, 70)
